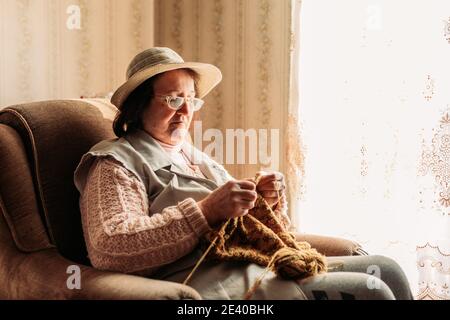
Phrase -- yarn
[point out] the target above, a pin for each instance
(260, 237)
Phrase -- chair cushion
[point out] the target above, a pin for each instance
(331, 246)
(55, 135)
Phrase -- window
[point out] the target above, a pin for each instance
(375, 115)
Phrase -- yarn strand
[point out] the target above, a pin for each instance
(260, 278)
(213, 242)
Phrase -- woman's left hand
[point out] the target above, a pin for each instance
(271, 186)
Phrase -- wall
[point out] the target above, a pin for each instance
(251, 42)
(42, 58)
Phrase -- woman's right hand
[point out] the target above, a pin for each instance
(233, 199)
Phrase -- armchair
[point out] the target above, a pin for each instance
(40, 225)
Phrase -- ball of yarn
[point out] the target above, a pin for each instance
(291, 263)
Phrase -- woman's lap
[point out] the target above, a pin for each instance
(350, 277)
(229, 280)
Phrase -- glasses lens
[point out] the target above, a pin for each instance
(197, 103)
(176, 102)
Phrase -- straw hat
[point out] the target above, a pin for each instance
(157, 60)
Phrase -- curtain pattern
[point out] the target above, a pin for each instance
(376, 126)
(433, 253)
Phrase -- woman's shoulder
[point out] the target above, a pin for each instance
(108, 145)
(107, 154)
(109, 162)
(111, 167)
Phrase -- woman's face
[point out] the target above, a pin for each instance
(162, 122)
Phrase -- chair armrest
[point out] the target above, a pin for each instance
(108, 285)
(331, 246)
(43, 275)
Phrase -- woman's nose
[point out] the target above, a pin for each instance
(185, 107)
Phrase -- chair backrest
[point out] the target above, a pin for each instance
(41, 144)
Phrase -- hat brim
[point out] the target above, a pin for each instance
(209, 77)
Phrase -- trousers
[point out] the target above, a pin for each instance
(372, 277)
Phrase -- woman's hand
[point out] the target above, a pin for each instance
(233, 199)
(271, 186)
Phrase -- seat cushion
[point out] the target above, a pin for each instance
(55, 134)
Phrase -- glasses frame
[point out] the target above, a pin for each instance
(189, 100)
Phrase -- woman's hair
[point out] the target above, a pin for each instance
(129, 116)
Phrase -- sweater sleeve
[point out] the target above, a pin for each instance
(121, 236)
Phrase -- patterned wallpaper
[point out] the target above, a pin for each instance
(251, 42)
(54, 49)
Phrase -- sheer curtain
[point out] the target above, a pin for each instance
(374, 114)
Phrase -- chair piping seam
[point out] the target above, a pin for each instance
(36, 167)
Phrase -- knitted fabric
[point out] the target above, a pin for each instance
(259, 237)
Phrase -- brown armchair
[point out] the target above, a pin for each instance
(40, 225)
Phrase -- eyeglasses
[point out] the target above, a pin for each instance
(176, 103)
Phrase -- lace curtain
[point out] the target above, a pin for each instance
(374, 114)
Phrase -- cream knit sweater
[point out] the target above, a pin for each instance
(121, 235)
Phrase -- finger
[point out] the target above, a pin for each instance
(273, 176)
(269, 185)
(280, 188)
(270, 194)
(272, 186)
(260, 174)
(246, 204)
(241, 212)
(248, 195)
(245, 184)
(252, 180)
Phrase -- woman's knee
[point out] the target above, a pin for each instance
(368, 287)
(376, 265)
(385, 268)
(346, 285)
(390, 272)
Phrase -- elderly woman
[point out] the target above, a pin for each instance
(149, 196)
